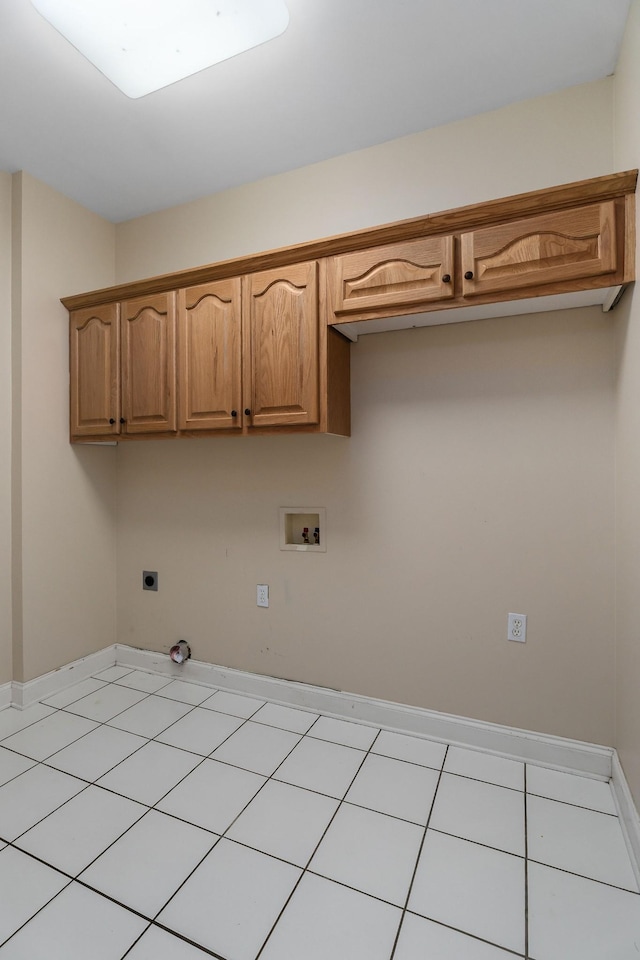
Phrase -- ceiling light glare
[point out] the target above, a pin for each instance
(144, 45)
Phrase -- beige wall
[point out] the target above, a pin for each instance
(479, 478)
(555, 139)
(627, 153)
(5, 428)
(65, 546)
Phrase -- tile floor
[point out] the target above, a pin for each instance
(155, 819)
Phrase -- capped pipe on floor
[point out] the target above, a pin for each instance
(180, 651)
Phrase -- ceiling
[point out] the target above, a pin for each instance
(346, 74)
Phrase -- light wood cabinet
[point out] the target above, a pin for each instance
(148, 364)
(250, 355)
(122, 369)
(95, 371)
(210, 364)
(540, 251)
(260, 344)
(391, 278)
(280, 346)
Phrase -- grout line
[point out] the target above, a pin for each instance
(420, 849)
(526, 869)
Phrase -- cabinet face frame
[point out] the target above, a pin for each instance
(209, 356)
(94, 351)
(148, 364)
(280, 347)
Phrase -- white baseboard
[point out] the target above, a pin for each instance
(24, 694)
(6, 695)
(585, 758)
(570, 755)
(627, 813)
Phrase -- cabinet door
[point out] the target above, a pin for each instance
(391, 278)
(554, 247)
(280, 346)
(149, 364)
(95, 383)
(209, 350)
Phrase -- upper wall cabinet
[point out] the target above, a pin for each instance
(261, 343)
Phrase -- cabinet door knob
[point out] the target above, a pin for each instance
(122, 420)
(446, 278)
(111, 420)
(234, 413)
(469, 275)
(247, 412)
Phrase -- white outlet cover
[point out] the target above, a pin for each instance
(517, 627)
(262, 595)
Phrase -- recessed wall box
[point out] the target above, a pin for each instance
(303, 529)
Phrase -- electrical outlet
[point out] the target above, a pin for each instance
(262, 598)
(517, 627)
(149, 579)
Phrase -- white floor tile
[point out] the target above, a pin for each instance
(569, 788)
(145, 867)
(32, 796)
(326, 767)
(46, 737)
(78, 924)
(150, 773)
(231, 901)
(399, 746)
(185, 692)
(284, 821)
(346, 732)
(25, 887)
(140, 680)
(325, 920)
(104, 704)
(94, 754)
(151, 716)
(257, 747)
(200, 731)
(480, 811)
(471, 888)
(156, 944)
(12, 719)
(372, 852)
(78, 832)
(12, 765)
(75, 692)
(212, 796)
(573, 917)
(113, 673)
(484, 766)
(395, 787)
(287, 718)
(581, 841)
(420, 938)
(233, 703)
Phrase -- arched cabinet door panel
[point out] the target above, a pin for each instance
(280, 346)
(94, 372)
(210, 363)
(149, 364)
(536, 251)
